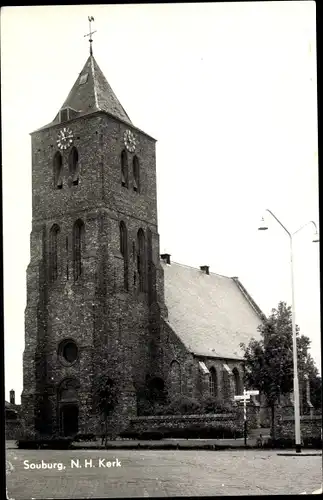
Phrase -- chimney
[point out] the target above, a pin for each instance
(206, 269)
(165, 257)
(12, 397)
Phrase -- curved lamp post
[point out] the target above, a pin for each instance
(263, 226)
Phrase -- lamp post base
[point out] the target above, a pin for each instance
(298, 448)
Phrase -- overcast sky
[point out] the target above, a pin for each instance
(228, 90)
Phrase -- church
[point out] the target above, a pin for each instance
(100, 297)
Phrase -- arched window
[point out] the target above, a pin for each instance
(124, 169)
(73, 165)
(226, 386)
(68, 390)
(175, 378)
(124, 252)
(141, 260)
(213, 382)
(237, 382)
(53, 251)
(135, 171)
(78, 247)
(57, 167)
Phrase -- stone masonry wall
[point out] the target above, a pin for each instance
(110, 326)
(140, 424)
(310, 427)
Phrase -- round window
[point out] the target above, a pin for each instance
(68, 351)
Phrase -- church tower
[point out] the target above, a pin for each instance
(94, 281)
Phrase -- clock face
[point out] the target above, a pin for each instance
(129, 141)
(64, 138)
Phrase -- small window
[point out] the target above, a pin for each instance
(68, 352)
(83, 78)
(64, 115)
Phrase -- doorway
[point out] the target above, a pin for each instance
(69, 415)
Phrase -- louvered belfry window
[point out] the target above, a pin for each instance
(73, 163)
(124, 169)
(57, 167)
(136, 181)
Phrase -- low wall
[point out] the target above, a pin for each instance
(170, 422)
(232, 421)
(311, 427)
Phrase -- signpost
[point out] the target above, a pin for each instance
(245, 397)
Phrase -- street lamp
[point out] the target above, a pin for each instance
(263, 226)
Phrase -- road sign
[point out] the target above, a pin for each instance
(252, 393)
(241, 398)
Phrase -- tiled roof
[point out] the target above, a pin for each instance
(92, 93)
(10, 406)
(211, 314)
(95, 94)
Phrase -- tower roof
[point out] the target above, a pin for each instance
(90, 93)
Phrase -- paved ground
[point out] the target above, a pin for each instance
(145, 473)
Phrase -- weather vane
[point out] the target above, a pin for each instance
(90, 18)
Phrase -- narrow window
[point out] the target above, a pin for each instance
(213, 383)
(124, 169)
(124, 252)
(57, 167)
(78, 247)
(73, 165)
(141, 260)
(237, 382)
(135, 168)
(53, 251)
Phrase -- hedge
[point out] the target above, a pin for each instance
(191, 432)
(53, 443)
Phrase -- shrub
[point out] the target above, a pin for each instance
(28, 444)
(213, 405)
(181, 406)
(279, 443)
(50, 442)
(151, 435)
(312, 442)
(62, 443)
(85, 437)
(129, 434)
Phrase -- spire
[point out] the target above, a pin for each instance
(90, 18)
(91, 92)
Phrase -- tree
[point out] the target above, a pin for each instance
(105, 399)
(316, 391)
(269, 361)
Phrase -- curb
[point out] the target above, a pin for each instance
(170, 446)
(294, 454)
